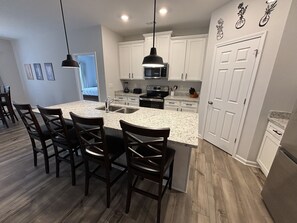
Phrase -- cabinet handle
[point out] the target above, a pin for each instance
(189, 104)
(171, 102)
(210, 102)
(176, 109)
(186, 76)
(277, 132)
(129, 75)
(182, 76)
(132, 75)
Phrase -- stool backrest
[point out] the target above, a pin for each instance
(145, 147)
(29, 119)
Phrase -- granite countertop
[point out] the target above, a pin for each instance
(279, 118)
(181, 98)
(183, 125)
(130, 94)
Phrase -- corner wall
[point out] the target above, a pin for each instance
(274, 28)
(9, 71)
(110, 42)
(45, 48)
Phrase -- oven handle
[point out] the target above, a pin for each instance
(151, 99)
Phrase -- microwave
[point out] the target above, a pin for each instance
(156, 72)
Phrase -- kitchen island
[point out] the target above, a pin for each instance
(183, 130)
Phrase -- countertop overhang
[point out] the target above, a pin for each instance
(183, 125)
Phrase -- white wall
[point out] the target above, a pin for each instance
(275, 28)
(42, 48)
(89, 40)
(9, 72)
(282, 90)
(111, 61)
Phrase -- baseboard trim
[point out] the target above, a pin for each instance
(200, 136)
(246, 162)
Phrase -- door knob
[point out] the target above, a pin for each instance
(210, 102)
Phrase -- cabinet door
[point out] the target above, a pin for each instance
(133, 101)
(189, 106)
(163, 44)
(172, 108)
(120, 100)
(136, 61)
(194, 59)
(267, 152)
(177, 59)
(125, 58)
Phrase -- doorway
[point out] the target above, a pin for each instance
(233, 75)
(88, 78)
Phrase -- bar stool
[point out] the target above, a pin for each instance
(148, 157)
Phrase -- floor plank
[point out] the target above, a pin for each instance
(220, 190)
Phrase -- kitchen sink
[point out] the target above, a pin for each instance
(119, 109)
(127, 110)
(111, 108)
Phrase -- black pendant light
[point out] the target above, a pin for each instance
(153, 60)
(69, 62)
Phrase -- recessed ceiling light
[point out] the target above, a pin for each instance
(125, 18)
(163, 11)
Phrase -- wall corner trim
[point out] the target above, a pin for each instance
(246, 162)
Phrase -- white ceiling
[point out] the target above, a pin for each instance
(19, 18)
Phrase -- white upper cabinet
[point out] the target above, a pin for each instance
(162, 44)
(187, 58)
(130, 56)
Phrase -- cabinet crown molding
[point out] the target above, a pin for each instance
(189, 37)
(169, 33)
(131, 42)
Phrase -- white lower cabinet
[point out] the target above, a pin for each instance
(183, 106)
(269, 147)
(124, 100)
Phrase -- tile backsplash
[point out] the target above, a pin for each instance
(183, 86)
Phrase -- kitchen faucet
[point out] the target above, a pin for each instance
(108, 101)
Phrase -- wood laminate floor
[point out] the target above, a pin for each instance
(220, 190)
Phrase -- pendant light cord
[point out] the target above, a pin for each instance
(64, 26)
(154, 26)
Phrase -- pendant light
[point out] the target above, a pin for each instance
(69, 62)
(153, 60)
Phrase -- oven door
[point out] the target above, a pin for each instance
(151, 103)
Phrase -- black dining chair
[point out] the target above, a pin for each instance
(2, 116)
(101, 150)
(148, 157)
(6, 104)
(36, 132)
(64, 138)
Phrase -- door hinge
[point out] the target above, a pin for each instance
(256, 52)
(235, 140)
(244, 101)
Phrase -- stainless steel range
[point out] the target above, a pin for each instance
(154, 97)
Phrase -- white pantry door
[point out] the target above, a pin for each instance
(231, 79)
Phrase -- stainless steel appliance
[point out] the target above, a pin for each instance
(154, 97)
(156, 72)
(280, 189)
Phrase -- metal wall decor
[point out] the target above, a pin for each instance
(270, 7)
(241, 21)
(220, 33)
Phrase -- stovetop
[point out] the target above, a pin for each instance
(156, 91)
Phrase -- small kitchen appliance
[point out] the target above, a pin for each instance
(154, 97)
(156, 72)
(126, 89)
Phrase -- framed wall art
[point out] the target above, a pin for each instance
(28, 70)
(38, 71)
(49, 71)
